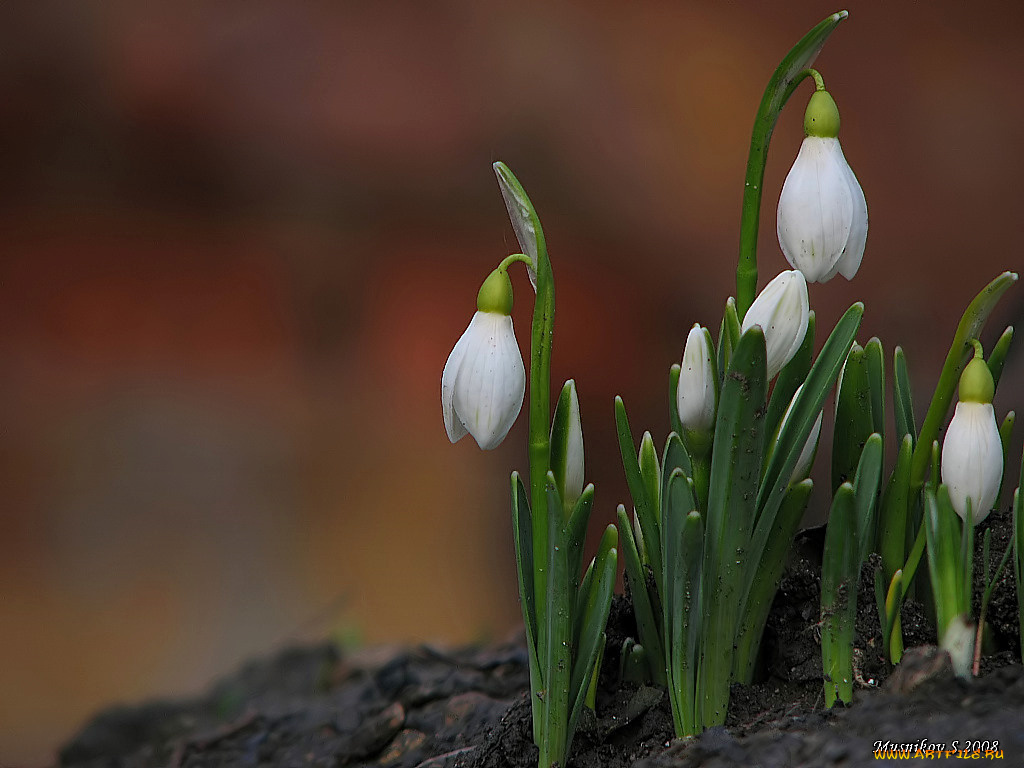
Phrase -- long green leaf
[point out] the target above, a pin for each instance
(557, 659)
(769, 574)
(576, 530)
(595, 618)
(645, 510)
(646, 622)
(1018, 552)
(780, 87)
(673, 401)
(875, 362)
(865, 486)
(943, 535)
(522, 535)
(839, 597)
(853, 418)
(735, 471)
(892, 525)
(798, 427)
(997, 358)
(903, 397)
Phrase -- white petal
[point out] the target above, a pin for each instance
(972, 459)
(816, 209)
(849, 261)
(452, 423)
(781, 309)
(695, 396)
(491, 381)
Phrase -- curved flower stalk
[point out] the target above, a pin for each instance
(972, 452)
(822, 218)
(781, 309)
(484, 382)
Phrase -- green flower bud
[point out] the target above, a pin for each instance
(822, 116)
(496, 293)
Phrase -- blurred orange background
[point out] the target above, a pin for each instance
(240, 240)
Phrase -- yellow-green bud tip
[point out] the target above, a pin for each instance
(976, 385)
(496, 293)
(822, 116)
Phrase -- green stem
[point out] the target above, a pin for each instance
(790, 73)
(512, 259)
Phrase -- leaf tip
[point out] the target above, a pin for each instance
(839, 16)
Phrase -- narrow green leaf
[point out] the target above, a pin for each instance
(853, 418)
(1005, 435)
(557, 661)
(943, 535)
(865, 486)
(576, 531)
(728, 336)
(1018, 552)
(875, 362)
(735, 471)
(970, 326)
(839, 571)
(893, 633)
(768, 574)
(997, 358)
(522, 535)
(780, 87)
(522, 526)
(595, 619)
(674, 457)
(903, 396)
(892, 525)
(650, 473)
(673, 399)
(792, 375)
(793, 438)
(647, 514)
(647, 625)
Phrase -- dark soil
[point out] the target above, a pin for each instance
(469, 708)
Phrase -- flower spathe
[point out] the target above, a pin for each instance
(781, 309)
(484, 381)
(696, 395)
(823, 215)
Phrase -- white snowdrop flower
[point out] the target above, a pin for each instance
(972, 452)
(823, 215)
(484, 381)
(696, 395)
(781, 309)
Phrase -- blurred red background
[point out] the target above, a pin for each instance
(239, 241)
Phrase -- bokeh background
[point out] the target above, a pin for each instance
(240, 239)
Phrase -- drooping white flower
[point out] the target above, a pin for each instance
(972, 459)
(781, 309)
(972, 451)
(484, 381)
(696, 395)
(823, 214)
